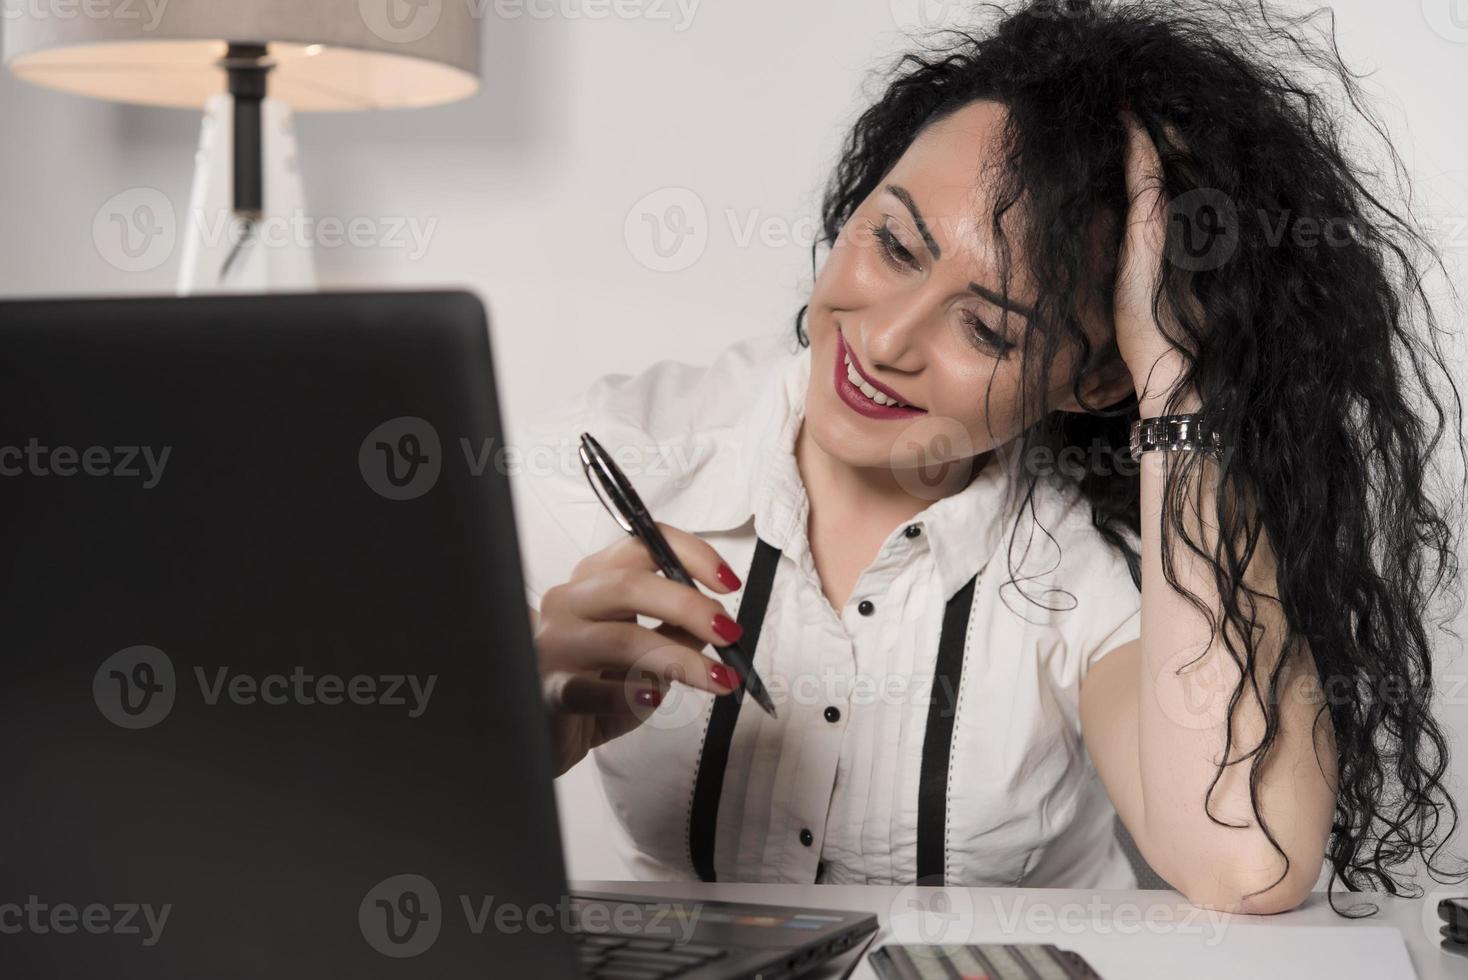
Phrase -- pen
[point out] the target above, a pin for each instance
(621, 501)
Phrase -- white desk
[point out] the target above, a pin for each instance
(1146, 934)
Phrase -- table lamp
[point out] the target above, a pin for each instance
(249, 65)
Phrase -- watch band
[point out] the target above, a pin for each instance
(1174, 433)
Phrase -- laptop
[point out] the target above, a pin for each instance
(269, 703)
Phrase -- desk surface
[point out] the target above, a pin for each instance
(1149, 932)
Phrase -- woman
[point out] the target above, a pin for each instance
(985, 625)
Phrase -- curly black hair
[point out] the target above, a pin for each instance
(1306, 328)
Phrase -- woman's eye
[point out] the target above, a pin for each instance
(892, 249)
(984, 335)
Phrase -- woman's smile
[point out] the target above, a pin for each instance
(863, 394)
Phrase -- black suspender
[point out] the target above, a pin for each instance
(937, 737)
(703, 817)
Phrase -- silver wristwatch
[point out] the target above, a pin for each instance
(1174, 433)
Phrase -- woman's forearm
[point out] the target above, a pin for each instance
(1182, 718)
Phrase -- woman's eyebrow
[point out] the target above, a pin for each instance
(902, 195)
(1002, 302)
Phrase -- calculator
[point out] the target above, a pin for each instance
(980, 961)
(1454, 912)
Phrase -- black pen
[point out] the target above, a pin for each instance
(621, 501)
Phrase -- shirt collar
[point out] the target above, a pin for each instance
(964, 529)
(754, 475)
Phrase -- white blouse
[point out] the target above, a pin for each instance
(830, 791)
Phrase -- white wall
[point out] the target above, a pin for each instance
(527, 189)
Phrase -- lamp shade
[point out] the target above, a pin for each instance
(329, 55)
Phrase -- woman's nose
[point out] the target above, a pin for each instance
(890, 334)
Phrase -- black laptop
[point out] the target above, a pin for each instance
(269, 705)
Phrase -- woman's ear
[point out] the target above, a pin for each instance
(1101, 386)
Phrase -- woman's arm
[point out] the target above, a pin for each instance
(1157, 737)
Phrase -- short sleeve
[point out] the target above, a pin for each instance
(674, 417)
(1113, 636)
(558, 516)
(555, 508)
(1111, 602)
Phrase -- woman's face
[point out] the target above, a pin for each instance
(911, 294)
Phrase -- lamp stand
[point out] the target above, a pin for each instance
(246, 227)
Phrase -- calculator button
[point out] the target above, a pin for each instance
(1044, 964)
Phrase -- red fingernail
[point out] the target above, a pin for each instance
(648, 697)
(726, 575)
(727, 628)
(724, 676)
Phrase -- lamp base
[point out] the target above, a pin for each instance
(228, 252)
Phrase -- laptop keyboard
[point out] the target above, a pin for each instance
(605, 957)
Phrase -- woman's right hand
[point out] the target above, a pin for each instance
(601, 672)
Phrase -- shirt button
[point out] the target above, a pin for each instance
(806, 837)
(913, 530)
(833, 714)
(865, 607)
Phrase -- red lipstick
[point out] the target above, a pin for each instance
(859, 402)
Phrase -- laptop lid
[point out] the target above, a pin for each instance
(268, 694)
